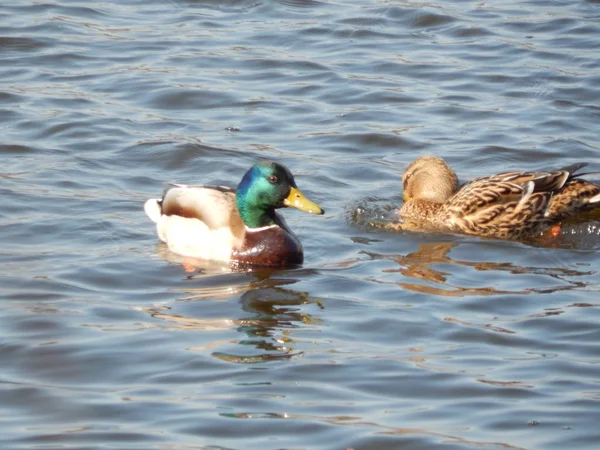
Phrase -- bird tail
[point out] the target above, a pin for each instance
(153, 209)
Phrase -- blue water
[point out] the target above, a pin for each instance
(381, 340)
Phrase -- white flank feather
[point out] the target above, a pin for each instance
(191, 237)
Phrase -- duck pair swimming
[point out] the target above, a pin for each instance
(242, 225)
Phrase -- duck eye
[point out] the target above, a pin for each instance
(272, 179)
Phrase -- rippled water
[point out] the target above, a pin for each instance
(381, 340)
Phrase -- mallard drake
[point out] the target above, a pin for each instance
(509, 205)
(234, 225)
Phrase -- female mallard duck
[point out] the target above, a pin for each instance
(510, 205)
(225, 224)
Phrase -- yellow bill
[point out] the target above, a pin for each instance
(296, 199)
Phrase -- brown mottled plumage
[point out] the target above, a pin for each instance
(511, 205)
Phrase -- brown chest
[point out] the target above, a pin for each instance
(271, 246)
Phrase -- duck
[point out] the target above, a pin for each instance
(508, 205)
(239, 225)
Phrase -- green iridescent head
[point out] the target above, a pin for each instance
(266, 186)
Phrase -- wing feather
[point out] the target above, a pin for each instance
(215, 207)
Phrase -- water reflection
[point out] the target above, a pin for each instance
(378, 428)
(424, 263)
(272, 311)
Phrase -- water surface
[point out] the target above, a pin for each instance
(381, 340)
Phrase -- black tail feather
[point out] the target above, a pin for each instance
(574, 168)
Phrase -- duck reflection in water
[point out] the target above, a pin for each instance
(432, 271)
(421, 265)
(273, 312)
